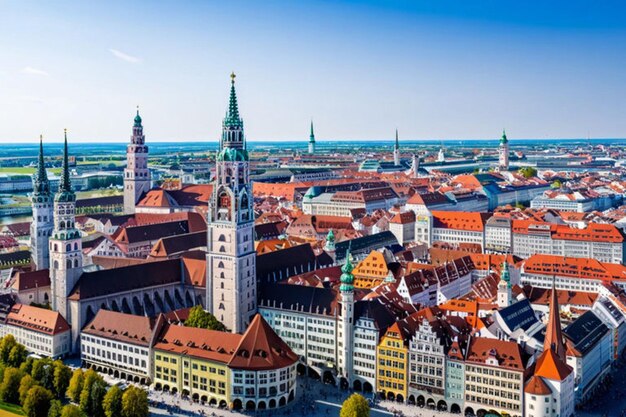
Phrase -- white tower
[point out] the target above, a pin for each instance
(346, 324)
(396, 151)
(505, 297)
(503, 159)
(312, 140)
(441, 156)
(66, 260)
(136, 173)
(415, 166)
(231, 258)
(43, 223)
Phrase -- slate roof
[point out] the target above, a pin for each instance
(585, 332)
(314, 300)
(365, 244)
(150, 232)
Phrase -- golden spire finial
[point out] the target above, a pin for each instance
(232, 76)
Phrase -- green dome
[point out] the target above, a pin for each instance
(232, 155)
(330, 237)
(503, 140)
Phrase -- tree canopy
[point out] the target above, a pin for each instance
(203, 319)
(355, 406)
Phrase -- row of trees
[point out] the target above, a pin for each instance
(47, 388)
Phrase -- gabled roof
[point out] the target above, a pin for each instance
(260, 348)
(550, 366)
(150, 232)
(508, 354)
(536, 386)
(459, 220)
(171, 245)
(24, 281)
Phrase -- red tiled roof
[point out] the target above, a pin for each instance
(458, 220)
(122, 327)
(37, 319)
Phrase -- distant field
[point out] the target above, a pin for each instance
(25, 170)
(10, 410)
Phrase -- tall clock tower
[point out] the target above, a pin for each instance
(136, 173)
(231, 258)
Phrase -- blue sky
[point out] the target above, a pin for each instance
(433, 69)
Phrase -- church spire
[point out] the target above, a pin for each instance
(312, 135)
(65, 184)
(554, 338)
(232, 116)
(397, 146)
(42, 185)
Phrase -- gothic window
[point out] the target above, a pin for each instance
(222, 275)
(56, 264)
(68, 247)
(222, 249)
(222, 238)
(220, 265)
(221, 306)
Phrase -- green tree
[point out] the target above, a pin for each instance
(135, 402)
(37, 403)
(26, 384)
(71, 410)
(76, 385)
(62, 375)
(355, 406)
(96, 396)
(203, 319)
(38, 370)
(528, 172)
(17, 356)
(27, 365)
(55, 408)
(556, 184)
(6, 344)
(91, 377)
(10, 387)
(112, 403)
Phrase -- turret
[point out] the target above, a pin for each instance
(503, 152)
(312, 140)
(346, 324)
(396, 151)
(505, 296)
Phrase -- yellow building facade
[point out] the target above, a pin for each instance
(392, 359)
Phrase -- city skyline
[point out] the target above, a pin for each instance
(358, 69)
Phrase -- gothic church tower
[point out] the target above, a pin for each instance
(66, 258)
(43, 223)
(231, 258)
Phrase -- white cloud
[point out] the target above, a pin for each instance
(34, 71)
(125, 57)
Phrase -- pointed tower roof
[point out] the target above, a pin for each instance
(505, 274)
(261, 348)
(347, 279)
(138, 118)
(312, 135)
(554, 338)
(397, 146)
(232, 115)
(503, 140)
(65, 185)
(42, 185)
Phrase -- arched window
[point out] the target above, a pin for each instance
(75, 263)
(56, 264)
(68, 247)
(222, 238)
(68, 264)
(221, 307)
(220, 265)
(222, 249)
(222, 275)
(221, 285)
(62, 225)
(75, 245)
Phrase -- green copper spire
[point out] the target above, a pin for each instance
(503, 140)
(42, 185)
(397, 142)
(65, 193)
(232, 116)
(312, 136)
(138, 118)
(347, 279)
